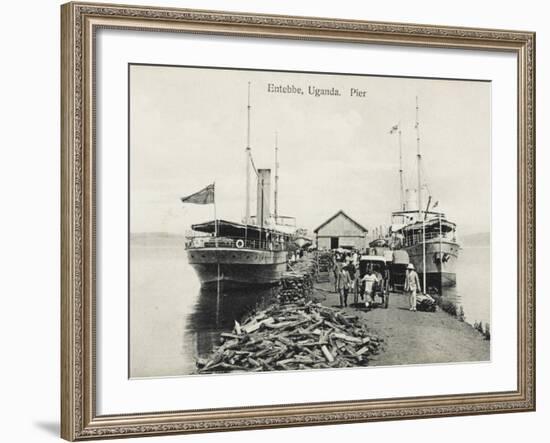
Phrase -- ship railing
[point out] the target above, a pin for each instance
(417, 238)
(209, 241)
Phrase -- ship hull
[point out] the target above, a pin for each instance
(441, 261)
(234, 268)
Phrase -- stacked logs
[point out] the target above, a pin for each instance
(297, 285)
(305, 266)
(293, 289)
(293, 336)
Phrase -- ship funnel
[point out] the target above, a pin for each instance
(411, 199)
(411, 202)
(263, 207)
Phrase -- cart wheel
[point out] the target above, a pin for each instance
(386, 300)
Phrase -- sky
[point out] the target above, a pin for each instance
(188, 128)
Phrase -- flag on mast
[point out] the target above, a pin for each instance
(203, 197)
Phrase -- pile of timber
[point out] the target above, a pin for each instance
(305, 266)
(426, 303)
(293, 336)
(297, 285)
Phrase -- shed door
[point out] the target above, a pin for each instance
(333, 242)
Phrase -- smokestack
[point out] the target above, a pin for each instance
(263, 197)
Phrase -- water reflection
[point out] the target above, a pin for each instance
(215, 312)
(452, 293)
(473, 286)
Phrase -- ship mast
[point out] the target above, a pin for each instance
(276, 190)
(248, 160)
(418, 162)
(393, 130)
(402, 191)
(419, 166)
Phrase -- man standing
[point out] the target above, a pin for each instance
(412, 284)
(353, 278)
(337, 269)
(355, 258)
(344, 284)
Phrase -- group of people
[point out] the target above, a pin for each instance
(294, 256)
(347, 279)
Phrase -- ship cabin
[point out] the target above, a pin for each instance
(225, 234)
(408, 229)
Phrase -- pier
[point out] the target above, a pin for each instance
(308, 311)
(413, 337)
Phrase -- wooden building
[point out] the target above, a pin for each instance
(341, 231)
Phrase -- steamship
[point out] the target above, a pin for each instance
(430, 241)
(251, 253)
(427, 236)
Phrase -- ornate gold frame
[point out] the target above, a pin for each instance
(79, 420)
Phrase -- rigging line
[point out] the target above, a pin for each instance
(427, 179)
(253, 166)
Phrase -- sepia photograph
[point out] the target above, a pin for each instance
(285, 220)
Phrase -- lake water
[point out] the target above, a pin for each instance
(172, 321)
(473, 285)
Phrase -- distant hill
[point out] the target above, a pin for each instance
(156, 239)
(479, 239)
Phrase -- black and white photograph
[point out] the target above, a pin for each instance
(275, 221)
(300, 220)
